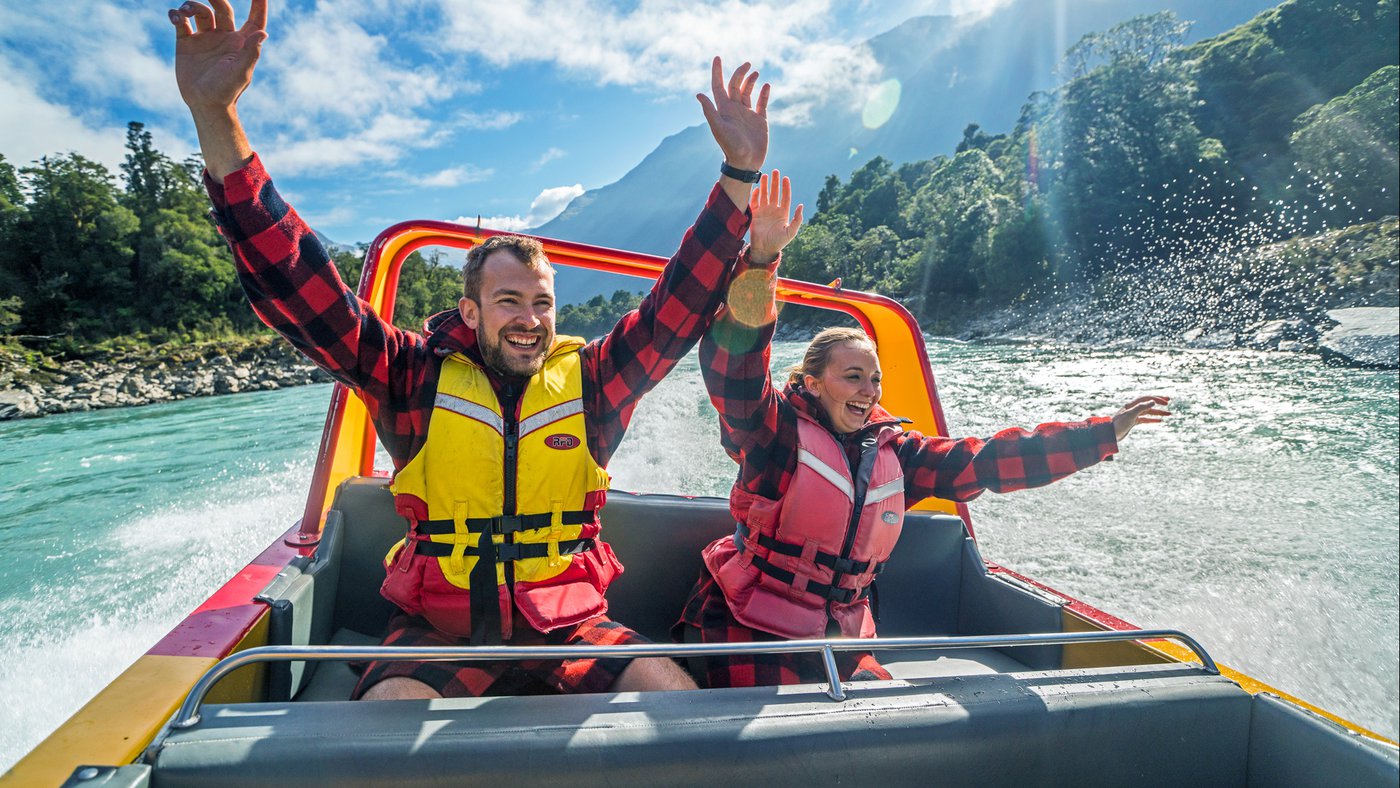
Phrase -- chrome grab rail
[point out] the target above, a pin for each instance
(188, 715)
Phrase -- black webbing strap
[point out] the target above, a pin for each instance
(508, 552)
(833, 562)
(503, 524)
(832, 593)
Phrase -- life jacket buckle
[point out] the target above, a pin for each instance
(506, 524)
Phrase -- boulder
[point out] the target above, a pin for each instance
(15, 404)
(1366, 336)
(1285, 334)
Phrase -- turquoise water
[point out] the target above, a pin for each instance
(1262, 519)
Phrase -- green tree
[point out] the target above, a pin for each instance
(75, 250)
(178, 259)
(1117, 144)
(597, 315)
(426, 286)
(1255, 79)
(12, 212)
(1148, 37)
(1348, 145)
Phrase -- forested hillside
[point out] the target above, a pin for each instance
(1153, 163)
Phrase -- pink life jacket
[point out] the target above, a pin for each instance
(796, 562)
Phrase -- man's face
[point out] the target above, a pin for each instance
(514, 321)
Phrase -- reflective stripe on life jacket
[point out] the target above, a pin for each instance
(526, 481)
(795, 563)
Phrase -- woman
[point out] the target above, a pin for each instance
(826, 474)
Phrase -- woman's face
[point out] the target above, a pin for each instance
(849, 387)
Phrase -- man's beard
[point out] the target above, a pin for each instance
(494, 354)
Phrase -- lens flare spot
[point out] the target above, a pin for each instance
(751, 298)
(881, 104)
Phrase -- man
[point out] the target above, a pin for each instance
(498, 430)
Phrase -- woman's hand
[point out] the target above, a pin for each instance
(752, 296)
(772, 228)
(1143, 410)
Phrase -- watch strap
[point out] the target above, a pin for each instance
(747, 176)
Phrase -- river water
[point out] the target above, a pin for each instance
(1262, 519)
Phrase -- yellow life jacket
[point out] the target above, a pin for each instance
(528, 480)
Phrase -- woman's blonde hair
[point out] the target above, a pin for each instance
(818, 353)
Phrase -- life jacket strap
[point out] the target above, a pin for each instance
(514, 551)
(505, 523)
(833, 562)
(826, 591)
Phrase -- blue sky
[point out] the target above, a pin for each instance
(369, 112)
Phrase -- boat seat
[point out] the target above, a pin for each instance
(658, 539)
(934, 584)
(1165, 725)
(335, 680)
(951, 662)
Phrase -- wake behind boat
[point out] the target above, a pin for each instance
(997, 678)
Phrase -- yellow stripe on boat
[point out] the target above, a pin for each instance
(117, 724)
(1254, 686)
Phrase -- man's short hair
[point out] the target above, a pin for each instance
(527, 251)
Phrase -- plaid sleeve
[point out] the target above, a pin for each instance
(648, 342)
(1014, 459)
(294, 288)
(734, 362)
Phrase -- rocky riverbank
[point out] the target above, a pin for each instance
(1357, 336)
(33, 385)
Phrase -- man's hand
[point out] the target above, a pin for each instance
(771, 229)
(738, 124)
(1143, 410)
(214, 63)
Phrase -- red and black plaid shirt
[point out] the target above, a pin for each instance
(758, 427)
(295, 289)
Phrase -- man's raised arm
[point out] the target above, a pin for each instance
(283, 268)
(214, 63)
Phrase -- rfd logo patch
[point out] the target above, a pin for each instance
(561, 441)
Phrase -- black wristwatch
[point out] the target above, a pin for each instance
(747, 176)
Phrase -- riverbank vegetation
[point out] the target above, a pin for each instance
(1244, 178)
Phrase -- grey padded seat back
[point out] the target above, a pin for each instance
(371, 527)
(1164, 726)
(658, 538)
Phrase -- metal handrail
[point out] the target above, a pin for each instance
(188, 715)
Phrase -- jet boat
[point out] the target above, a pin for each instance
(998, 679)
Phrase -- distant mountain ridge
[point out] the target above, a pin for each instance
(950, 71)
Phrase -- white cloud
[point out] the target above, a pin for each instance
(385, 140)
(454, 176)
(667, 44)
(32, 126)
(489, 121)
(105, 50)
(547, 157)
(338, 86)
(547, 205)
